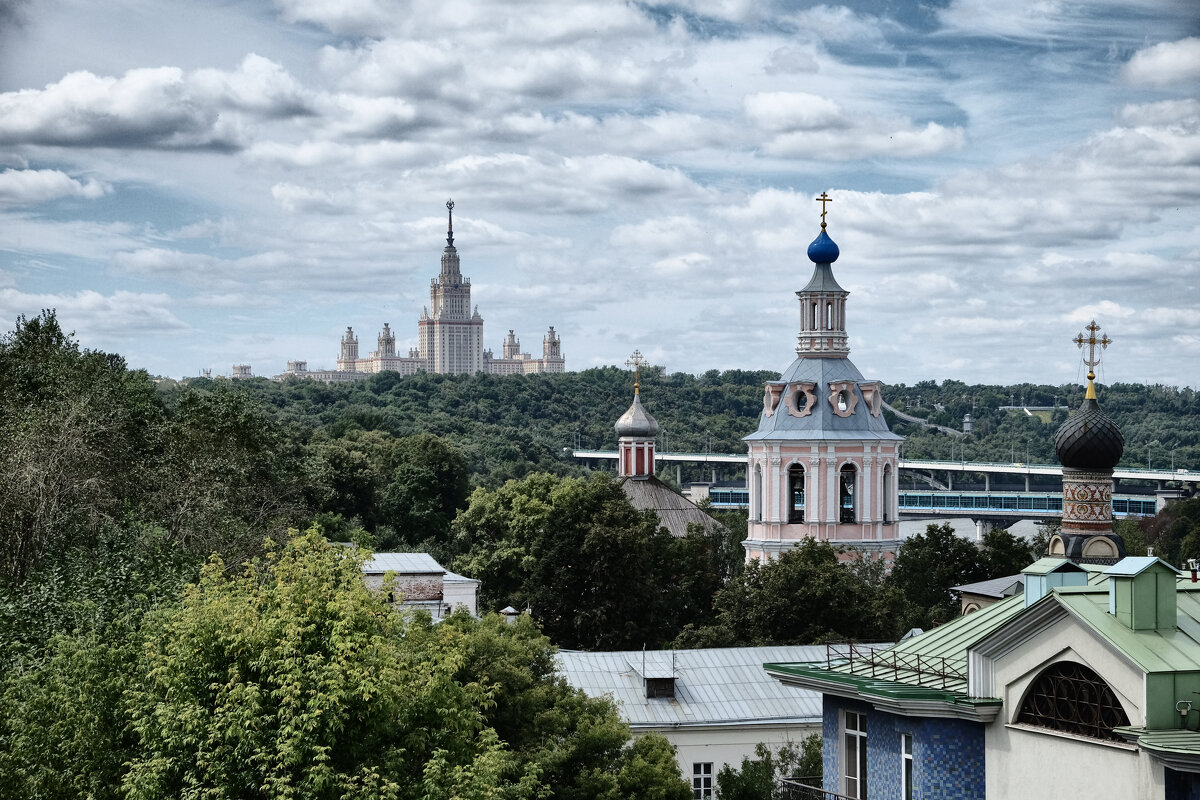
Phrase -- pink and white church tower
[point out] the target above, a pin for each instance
(636, 431)
(823, 463)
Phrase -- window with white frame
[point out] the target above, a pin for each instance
(702, 781)
(854, 755)
(906, 766)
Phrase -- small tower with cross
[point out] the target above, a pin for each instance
(822, 464)
(1088, 445)
(636, 430)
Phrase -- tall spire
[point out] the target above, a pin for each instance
(450, 224)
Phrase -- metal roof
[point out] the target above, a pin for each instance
(822, 423)
(404, 563)
(716, 686)
(1136, 565)
(996, 587)
(675, 512)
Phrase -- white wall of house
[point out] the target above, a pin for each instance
(1026, 762)
(728, 744)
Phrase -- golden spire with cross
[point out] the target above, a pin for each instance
(823, 199)
(1093, 358)
(635, 362)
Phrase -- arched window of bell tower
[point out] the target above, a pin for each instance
(888, 511)
(829, 316)
(848, 494)
(756, 492)
(795, 493)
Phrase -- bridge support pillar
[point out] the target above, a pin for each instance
(714, 474)
(950, 481)
(987, 481)
(979, 531)
(679, 475)
(1027, 483)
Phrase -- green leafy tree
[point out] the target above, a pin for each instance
(575, 552)
(429, 485)
(1005, 554)
(230, 474)
(928, 564)
(759, 778)
(77, 436)
(805, 596)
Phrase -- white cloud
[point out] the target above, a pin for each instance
(1165, 64)
(157, 108)
(792, 111)
(32, 186)
(91, 315)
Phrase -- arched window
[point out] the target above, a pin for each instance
(829, 316)
(758, 492)
(887, 493)
(1072, 698)
(813, 327)
(847, 494)
(796, 493)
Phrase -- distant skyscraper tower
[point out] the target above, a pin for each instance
(349, 357)
(822, 463)
(450, 331)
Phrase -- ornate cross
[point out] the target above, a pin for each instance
(1093, 358)
(823, 199)
(635, 362)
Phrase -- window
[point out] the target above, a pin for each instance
(849, 477)
(702, 781)
(906, 766)
(888, 512)
(1072, 698)
(796, 493)
(854, 756)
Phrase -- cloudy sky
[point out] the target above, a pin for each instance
(200, 184)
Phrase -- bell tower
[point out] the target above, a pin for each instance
(636, 430)
(823, 463)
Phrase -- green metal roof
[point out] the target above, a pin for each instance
(1151, 650)
(1135, 565)
(1044, 566)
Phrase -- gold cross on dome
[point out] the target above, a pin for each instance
(635, 363)
(1093, 358)
(823, 199)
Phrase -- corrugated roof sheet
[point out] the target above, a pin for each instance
(712, 686)
(675, 512)
(996, 587)
(403, 563)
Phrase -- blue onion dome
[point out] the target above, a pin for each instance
(823, 250)
(637, 422)
(1089, 439)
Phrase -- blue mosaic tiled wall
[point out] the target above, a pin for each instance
(947, 754)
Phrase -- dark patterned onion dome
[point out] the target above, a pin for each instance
(823, 250)
(637, 422)
(1089, 439)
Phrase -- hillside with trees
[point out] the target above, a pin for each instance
(152, 579)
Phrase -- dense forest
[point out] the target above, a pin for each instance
(154, 579)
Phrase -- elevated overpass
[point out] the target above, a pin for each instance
(985, 468)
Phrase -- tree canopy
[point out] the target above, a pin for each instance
(289, 678)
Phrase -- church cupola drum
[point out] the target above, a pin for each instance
(636, 431)
(823, 463)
